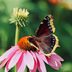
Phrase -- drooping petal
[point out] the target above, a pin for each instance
(14, 59)
(6, 69)
(19, 61)
(21, 65)
(35, 62)
(3, 63)
(34, 56)
(42, 56)
(57, 57)
(28, 58)
(41, 65)
(54, 61)
(56, 66)
(8, 52)
(59, 64)
(9, 58)
(35, 67)
(5, 58)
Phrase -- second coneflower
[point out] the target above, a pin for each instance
(19, 16)
(33, 51)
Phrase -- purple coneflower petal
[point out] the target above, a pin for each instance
(41, 65)
(59, 64)
(19, 61)
(3, 63)
(54, 61)
(8, 55)
(42, 56)
(57, 57)
(35, 62)
(21, 65)
(29, 60)
(35, 67)
(14, 59)
(6, 69)
(8, 52)
(9, 58)
(34, 56)
(56, 65)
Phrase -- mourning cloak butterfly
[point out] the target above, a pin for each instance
(45, 38)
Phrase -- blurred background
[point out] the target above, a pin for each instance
(62, 13)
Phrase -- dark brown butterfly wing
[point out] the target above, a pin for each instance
(49, 41)
(46, 27)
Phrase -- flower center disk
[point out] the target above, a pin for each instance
(25, 44)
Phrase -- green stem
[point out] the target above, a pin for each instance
(16, 34)
(25, 69)
(16, 38)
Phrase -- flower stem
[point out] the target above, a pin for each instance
(25, 69)
(16, 38)
(16, 34)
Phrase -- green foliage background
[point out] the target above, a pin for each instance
(38, 10)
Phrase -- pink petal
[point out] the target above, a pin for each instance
(6, 58)
(29, 60)
(6, 69)
(56, 66)
(41, 65)
(54, 62)
(8, 52)
(21, 65)
(57, 57)
(35, 67)
(34, 56)
(19, 61)
(9, 58)
(59, 64)
(35, 62)
(43, 57)
(3, 63)
(14, 59)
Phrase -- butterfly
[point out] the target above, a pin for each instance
(45, 39)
